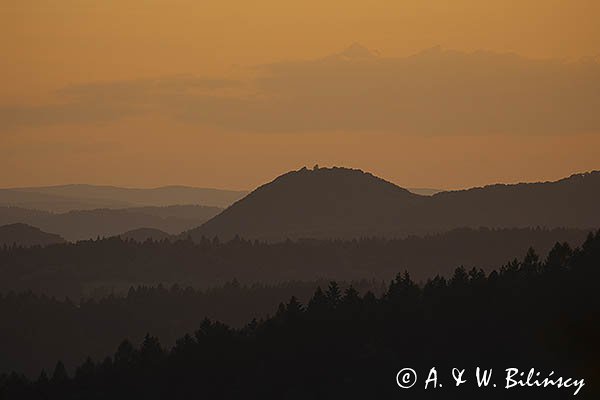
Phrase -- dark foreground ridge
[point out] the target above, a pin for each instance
(347, 345)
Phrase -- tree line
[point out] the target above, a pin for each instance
(344, 344)
(43, 328)
(82, 268)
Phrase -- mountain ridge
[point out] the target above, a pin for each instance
(61, 198)
(342, 202)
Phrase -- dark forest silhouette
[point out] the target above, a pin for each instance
(342, 344)
(78, 269)
(324, 244)
(91, 326)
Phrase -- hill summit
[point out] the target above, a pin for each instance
(345, 203)
(318, 202)
(26, 236)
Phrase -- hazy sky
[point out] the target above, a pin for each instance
(231, 93)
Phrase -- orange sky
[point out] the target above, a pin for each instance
(146, 93)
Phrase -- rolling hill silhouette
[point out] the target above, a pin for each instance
(342, 203)
(568, 202)
(87, 224)
(325, 202)
(26, 236)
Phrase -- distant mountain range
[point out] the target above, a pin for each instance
(87, 197)
(342, 203)
(63, 198)
(318, 203)
(87, 224)
(26, 236)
